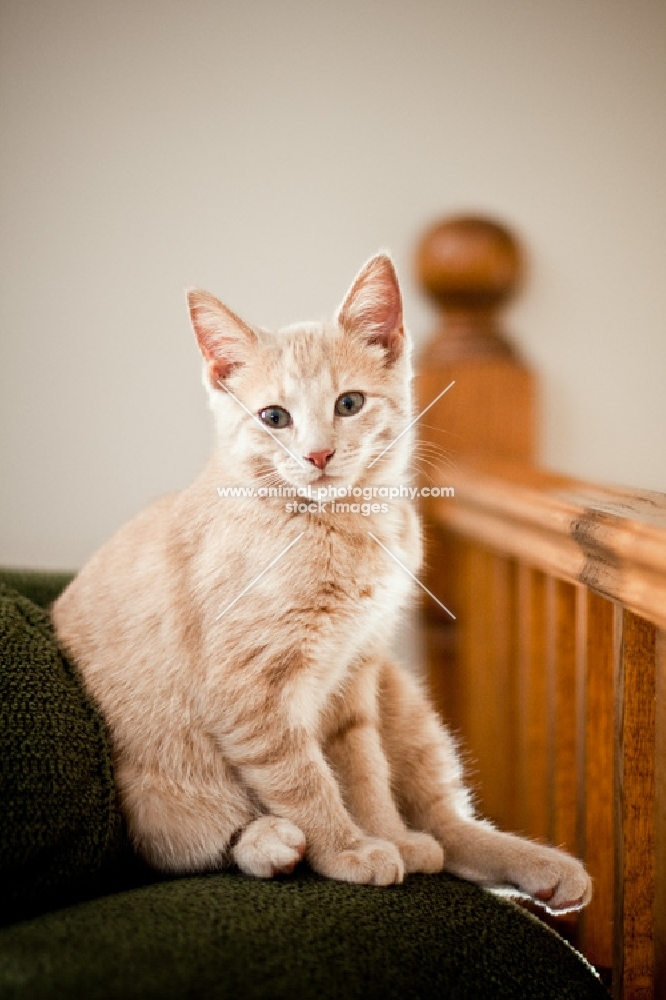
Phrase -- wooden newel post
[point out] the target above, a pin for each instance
(470, 267)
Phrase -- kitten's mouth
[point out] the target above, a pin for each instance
(325, 479)
(332, 479)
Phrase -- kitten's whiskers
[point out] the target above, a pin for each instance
(411, 424)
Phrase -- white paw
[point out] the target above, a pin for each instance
(420, 852)
(554, 879)
(269, 846)
(372, 861)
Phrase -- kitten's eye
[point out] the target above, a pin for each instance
(349, 403)
(275, 416)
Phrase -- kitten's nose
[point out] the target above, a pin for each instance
(320, 458)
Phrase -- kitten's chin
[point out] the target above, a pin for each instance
(324, 481)
(316, 481)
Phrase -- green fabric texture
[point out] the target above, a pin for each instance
(225, 935)
(40, 587)
(60, 827)
(139, 935)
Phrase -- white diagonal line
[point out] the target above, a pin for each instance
(263, 426)
(259, 576)
(415, 579)
(410, 425)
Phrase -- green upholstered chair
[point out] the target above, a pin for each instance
(81, 916)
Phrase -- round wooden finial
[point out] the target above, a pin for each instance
(470, 266)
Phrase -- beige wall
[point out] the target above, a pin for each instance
(265, 149)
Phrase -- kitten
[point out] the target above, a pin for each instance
(239, 648)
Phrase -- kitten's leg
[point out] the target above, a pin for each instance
(182, 824)
(189, 825)
(353, 747)
(286, 769)
(431, 795)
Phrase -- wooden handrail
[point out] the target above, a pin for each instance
(612, 541)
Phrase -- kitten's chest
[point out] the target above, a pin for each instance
(300, 604)
(345, 610)
(356, 585)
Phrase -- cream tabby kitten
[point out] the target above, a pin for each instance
(239, 650)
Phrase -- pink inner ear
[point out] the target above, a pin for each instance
(221, 355)
(223, 339)
(373, 306)
(219, 369)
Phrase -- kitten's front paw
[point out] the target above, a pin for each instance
(374, 862)
(420, 852)
(554, 879)
(269, 846)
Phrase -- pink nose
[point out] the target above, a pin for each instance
(320, 458)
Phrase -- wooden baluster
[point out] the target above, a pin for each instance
(634, 827)
(660, 818)
(596, 658)
(561, 615)
(532, 727)
(477, 725)
(506, 683)
(488, 675)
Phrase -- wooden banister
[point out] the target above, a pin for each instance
(554, 673)
(561, 684)
(611, 540)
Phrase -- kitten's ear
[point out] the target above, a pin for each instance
(372, 308)
(225, 341)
